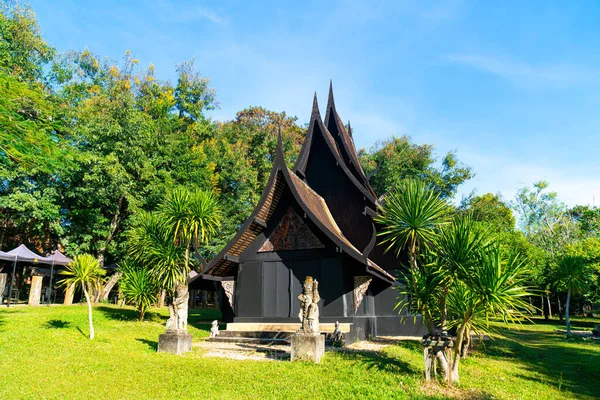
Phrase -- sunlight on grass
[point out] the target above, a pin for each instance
(46, 354)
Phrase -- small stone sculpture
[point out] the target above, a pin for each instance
(337, 335)
(214, 330)
(178, 311)
(309, 307)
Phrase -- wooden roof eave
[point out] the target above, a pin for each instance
(252, 218)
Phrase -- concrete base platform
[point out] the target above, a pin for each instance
(307, 347)
(174, 342)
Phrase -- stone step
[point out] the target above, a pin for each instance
(282, 327)
(254, 340)
(256, 334)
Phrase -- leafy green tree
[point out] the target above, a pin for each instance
(544, 218)
(397, 158)
(84, 272)
(588, 220)
(138, 287)
(490, 208)
(23, 50)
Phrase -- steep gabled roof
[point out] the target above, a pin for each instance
(316, 127)
(344, 141)
(311, 203)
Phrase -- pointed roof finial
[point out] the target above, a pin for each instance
(279, 151)
(330, 101)
(349, 129)
(315, 108)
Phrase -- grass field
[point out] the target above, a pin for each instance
(45, 353)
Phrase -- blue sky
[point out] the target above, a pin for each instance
(513, 87)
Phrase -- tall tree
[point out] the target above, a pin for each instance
(574, 276)
(399, 158)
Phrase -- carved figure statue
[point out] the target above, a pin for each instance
(309, 307)
(178, 310)
(337, 335)
(214, 330)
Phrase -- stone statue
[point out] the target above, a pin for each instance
(337, 335)
(309, 307)
(178, 310)
(214, 330)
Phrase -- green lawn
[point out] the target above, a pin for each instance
(45, 353)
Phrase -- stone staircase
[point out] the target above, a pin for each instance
(269, 333)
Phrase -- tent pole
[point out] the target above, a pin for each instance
(12, 281)
(50, 284)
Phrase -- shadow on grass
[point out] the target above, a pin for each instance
(85, 335)
(127, 314)
(375, 360)
(557, 359)
(57, 324)
(576, 323)
(152, 344)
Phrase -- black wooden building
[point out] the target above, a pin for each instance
(314, 220)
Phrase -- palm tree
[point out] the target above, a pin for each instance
(138, 286)
(572, 271)
(85, 272)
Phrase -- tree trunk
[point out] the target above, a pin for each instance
(110, 284)
(161, 299)
(89, 303)
(560, 310)
(114, 223)
(464, 351)
(549, 305)
(96, 291)
(444, 313)
(568, 319)
(69, 295)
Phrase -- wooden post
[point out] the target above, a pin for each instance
(35, 292)
(3, 278)
(69, 295)
(428, 363)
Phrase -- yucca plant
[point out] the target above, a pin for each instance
(192, 217)
(138, 287)
(411, 215)
(85, 272)
(457, 247)
(492, 286)
(164, 239)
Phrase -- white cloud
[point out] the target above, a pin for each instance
(523, 73)
(506, 175)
